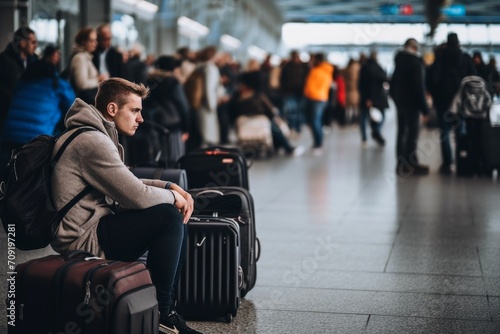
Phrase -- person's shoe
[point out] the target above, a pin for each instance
(364, 144)
(445, 169)
(409, 170)
(421, 170)
(378, 138)
(174, 324)
(296, 151)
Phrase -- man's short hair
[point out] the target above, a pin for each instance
(23, 33)
(117, 90)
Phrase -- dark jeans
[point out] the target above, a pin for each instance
(445, 124)
(125, 236)
(407, 137)
(292, 111)
(314, 115)
(279, 139)
(364, 115)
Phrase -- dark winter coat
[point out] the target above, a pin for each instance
(408, 82)
(11, 68)
(40, 100)
(293, 78)
(167, 92)
(114, 61)
(446, 74)
(371, 85)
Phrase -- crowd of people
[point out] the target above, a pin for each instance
(200, 92)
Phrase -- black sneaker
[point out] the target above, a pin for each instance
(174, 324)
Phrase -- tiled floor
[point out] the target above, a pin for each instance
(349, 248)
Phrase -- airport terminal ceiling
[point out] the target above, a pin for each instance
(464, 11)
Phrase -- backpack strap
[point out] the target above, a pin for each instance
(61, 213)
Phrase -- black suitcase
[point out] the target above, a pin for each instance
(463, 162)
(491, 143)
(237, 203)
(209, 287)
(215, 167)
(177, 176)
(83, 294)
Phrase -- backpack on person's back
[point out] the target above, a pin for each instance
(28, 213)
(472, 99)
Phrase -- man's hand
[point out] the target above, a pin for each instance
(183, 201)
(425, 119)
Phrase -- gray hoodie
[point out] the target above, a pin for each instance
(96, 158)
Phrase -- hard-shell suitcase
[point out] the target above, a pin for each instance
(177, 176)
(215, 167)
(209, 287)
(80, 293)
(462, 155)
(237, 203)
(491, 138)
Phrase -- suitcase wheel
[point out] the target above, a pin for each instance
(229, 317)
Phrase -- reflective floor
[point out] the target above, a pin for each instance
(349, 248)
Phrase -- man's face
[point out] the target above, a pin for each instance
(28, 46)
(105, 38)
(128, 117)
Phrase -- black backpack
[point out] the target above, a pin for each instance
(474, 97)
(27, 211)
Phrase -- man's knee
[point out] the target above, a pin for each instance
(168, 217)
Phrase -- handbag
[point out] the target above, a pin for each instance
(375, 115)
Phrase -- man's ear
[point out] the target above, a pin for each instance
(112, 109)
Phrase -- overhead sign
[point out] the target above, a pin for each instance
(454, 10)
(396, 9)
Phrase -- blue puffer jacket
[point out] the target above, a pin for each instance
(40, 100)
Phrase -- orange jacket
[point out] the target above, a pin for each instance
(318, 82)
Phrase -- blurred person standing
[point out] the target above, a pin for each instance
(18, 54)
(107, 59)
(351, 78)
(372, 95)
(484, 71)
(40, 100)
(203, 90)
(444, 77)
(292, 79)
(495, 76)
(135, 70)
(168, 94)
(83, 74)
(316, 92)
(187, 58)
(408, 92)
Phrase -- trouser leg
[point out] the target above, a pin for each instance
(127, 235)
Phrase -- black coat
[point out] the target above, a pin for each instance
(167, 92)
(11, 69)
(444, 76)
(371, 85)
(114, 61)
(408, 82)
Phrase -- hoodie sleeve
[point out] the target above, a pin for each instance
(102, 168)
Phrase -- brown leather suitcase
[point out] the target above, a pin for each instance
(80, 293)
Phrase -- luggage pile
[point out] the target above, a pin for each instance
(223, 250)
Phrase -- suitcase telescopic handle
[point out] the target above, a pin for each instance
(81, 254)
(211, 191)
